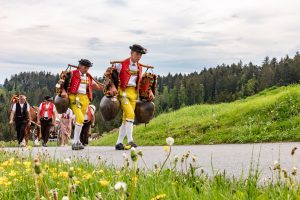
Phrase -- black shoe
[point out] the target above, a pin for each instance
(132, 144)
(44, 145)
(119, 146)
(77, 146)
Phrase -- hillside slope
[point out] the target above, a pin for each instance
(270, 116)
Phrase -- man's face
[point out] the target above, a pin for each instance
(83, 69)
(135, 56)
(22, 99)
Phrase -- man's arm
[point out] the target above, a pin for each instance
(11, 117)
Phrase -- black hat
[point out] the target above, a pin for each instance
(48, 98)
(85, 62)
(138, 48)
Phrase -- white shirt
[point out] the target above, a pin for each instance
(68, 113)
(134, 72)
(83, 83)
(47, 106)
(22, 105)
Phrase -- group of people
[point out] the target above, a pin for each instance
(78, 89)
(47, 118)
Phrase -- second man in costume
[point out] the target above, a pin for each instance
(130, 75)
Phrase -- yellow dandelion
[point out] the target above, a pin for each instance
(64, 174)
(166, 148)
(27, 164)
(87, 176)
(3, 180)
(77, 182)
(118, 172)
(101, 171)
(160, 196)
(104, 183)
(12, 173)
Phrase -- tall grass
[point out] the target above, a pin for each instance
(270, 116)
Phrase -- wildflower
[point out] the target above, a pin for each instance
(133, 154)
(65, 198)
(285, 175)
(294, 171)
(166, 148)
(176, 158)
(194, 158)
(104, 183)
(124, 155)
(99, 196)
(63, 174)
(140, 153)
(121, 186)
(117, 172)
(293, 151)
(170, 141)
(67, 161)
(37, 167)
(12, 173)
(276, 165)
(187, 154)
(160, 196)
(29, 147)
(71, 172)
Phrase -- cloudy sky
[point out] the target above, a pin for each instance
(181, 36)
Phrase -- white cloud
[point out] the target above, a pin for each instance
(181, 36)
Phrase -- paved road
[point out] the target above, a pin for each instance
(234, 158)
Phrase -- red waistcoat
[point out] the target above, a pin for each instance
(125, 74)
(50, 110)
(75, 83)
(89, 114)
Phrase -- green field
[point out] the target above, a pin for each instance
(270, 116)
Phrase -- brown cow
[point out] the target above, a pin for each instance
(33, 113)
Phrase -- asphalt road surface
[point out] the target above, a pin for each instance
(235, 159)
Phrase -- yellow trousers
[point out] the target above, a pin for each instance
(128, 99)
(79, 107)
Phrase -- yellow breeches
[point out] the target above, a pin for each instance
(128, 101)
(79, 106)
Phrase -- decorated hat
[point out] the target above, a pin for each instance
(85, 62)
(138, 48)
(48, 98)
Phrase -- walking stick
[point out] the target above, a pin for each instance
(143, 65)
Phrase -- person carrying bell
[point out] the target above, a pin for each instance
(130, 75)
(80, 88)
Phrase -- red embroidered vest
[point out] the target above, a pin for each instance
(75, 83)
(125, 74)
(50, 110)
(89, 114)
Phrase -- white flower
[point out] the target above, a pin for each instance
(133, 149)
(65, 198)
(67, 161)
(121, 186)
(276, 165)
(170, 141)
(124, 155)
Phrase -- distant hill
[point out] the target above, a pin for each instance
(269, 116)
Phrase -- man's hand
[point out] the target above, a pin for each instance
(29, 123)
(11, 122)
(151, 95)
(64, 94)
(93, 125)
(113, 91)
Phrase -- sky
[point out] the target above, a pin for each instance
(181, 36)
